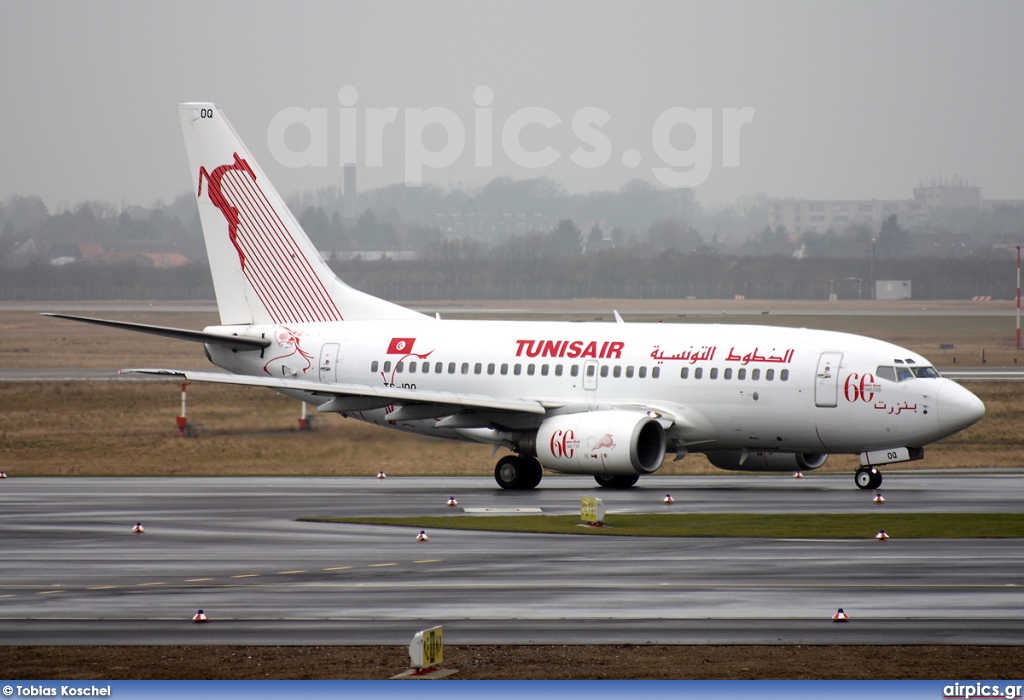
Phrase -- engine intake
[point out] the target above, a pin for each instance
(599, 443)
(766, 461)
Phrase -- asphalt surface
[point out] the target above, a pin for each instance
(72, 571)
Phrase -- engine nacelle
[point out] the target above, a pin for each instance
(600, 443)
(766, 461)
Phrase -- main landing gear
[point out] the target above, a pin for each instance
(518, 473)
(868, 478)
(616, 482)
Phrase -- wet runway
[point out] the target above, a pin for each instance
(72, 572)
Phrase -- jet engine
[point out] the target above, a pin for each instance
(766, 461)
(609, 442)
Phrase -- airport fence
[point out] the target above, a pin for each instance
(721, 290)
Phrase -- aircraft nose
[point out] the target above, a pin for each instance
(957, 407)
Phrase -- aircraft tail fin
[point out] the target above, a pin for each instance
(265, 269)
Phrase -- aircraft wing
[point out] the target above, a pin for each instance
(383, 393)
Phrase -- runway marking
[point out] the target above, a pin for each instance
(49, 592)
(100, 588)
(300, 571)
(154, 583)
(426, 561)
(197, 580)
(9, 595)
(337, 568)
(379, 565)
(245, 576)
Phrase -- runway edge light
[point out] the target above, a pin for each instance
(138, 529)
(798, 475)
(422, 537)
(668, 500)
(382, 475)
(452, 502)
(878, 498)
(200, 617)
(840, 616)
(881, 536)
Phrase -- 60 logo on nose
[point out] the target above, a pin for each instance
(860, 387)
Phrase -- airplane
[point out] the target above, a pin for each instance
(603, 399)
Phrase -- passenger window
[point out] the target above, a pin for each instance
(400, 367)
(655, 372)
(425, 368)
(438, 366)
(617, 371)
(543, 370)
(684, 373)
(886, 373)
(769, 374)
(604, 370)
(530, 369)
(755, 374)
(629, 372)
(451, 368)
(784, 375)
(714, 373)
(478, 368)
(504, 368)
(387, 366)
(412, 368)
(728, 373)
(373, 366)
(642, 372)
(575, 370)
(698, 372)
(591, 370)
(490, 368)
(741, 373)
(465, 368)
(517, 369)
(558, 370)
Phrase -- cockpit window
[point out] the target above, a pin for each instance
(902, 374)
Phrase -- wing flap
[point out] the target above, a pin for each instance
(391, 393)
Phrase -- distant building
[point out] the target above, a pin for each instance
(892, 290)
(820, 215)
(368, 255)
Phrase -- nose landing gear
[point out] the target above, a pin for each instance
(868, 478)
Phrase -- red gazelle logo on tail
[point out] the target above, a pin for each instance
(274, 264)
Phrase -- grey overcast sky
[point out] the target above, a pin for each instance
(851, 100)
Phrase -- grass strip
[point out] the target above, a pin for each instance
(770, 526)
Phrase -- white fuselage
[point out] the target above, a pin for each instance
(726, 387)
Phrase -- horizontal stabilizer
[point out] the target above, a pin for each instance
(232, 342)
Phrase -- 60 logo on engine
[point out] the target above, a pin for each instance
(563, 443)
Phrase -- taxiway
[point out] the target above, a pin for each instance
(74, 573)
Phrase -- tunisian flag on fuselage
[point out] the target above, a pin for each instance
(401, 346)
